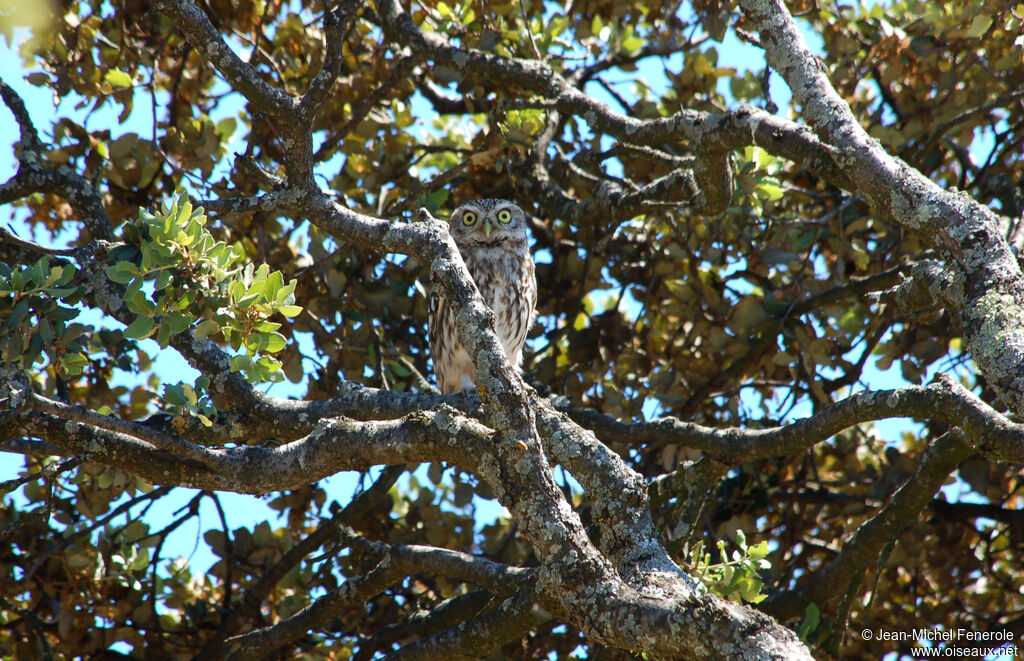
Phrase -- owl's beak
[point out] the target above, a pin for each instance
(487, 228)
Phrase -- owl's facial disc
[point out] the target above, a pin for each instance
(487, 223)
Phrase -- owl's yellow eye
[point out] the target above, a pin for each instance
(505, 216)
(468, 218)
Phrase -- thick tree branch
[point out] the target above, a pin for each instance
(335, 445)
(689, 486)
(16, 250)
(990, 432)
(167, 442)
(618, 496)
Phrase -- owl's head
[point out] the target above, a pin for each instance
(488, 222)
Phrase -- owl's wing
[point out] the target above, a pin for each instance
(433, 319)
(450, 363)
(532, 284)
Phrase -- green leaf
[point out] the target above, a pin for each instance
(254, 342)
(53, 276)
(105, 481)
(770, 191)
(167, 222)
(140, 561)
(234, 338)
(134, 287)
(273, 342)
(267, 326)
(270, 369)
(759, 551)
(178, 321)
(290, 310)
(163, 278)
(75, 360)
(206, 328)
(632, 43)
(122, 272)
(118, 78)
(46, 331)
(250, 298)
(163, 336)
(18, 314)
(236, 290)
(256, 289)
(275, 283)
(137, 301)
(979, 26)
(175, 395)
(812, 616)
(226, 127)
(61, 292)
(140, 328)
(190, 394)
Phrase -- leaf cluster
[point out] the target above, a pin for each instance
(738, 576)
(196, 278)
(36, 305)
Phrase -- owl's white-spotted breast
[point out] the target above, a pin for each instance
(492, 238)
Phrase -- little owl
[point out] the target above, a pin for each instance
(491, 236)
